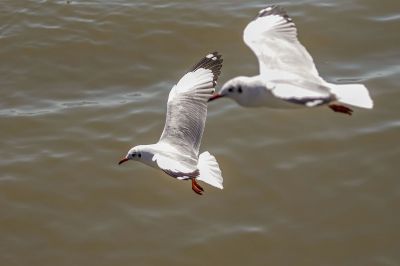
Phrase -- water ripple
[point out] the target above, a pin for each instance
(82, 82)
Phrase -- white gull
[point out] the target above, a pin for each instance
(288, 76)
(177, 151)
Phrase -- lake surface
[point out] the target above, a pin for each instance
(81, 83)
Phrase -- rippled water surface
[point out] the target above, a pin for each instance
(83, 81)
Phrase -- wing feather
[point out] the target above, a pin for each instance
(187, 105)
(272, 36)
(176, 165)
(304, 93)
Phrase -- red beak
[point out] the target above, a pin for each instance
(123, 160)
(215, 96)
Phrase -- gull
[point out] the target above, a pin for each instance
(288, 76)
(177, 151)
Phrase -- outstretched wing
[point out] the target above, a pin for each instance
(272, 36)
(187, 106)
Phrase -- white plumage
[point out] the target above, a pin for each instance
(177, 151)
(287, 71)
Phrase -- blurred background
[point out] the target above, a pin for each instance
(83, 81)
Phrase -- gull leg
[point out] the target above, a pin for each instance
(196, 187)
(341, 109)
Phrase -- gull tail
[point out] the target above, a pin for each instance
(209, 170)
(353, 94)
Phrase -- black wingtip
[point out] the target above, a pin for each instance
(274, 10)
(212, 61)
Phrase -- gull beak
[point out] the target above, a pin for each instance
(123, 160)
(215, 96)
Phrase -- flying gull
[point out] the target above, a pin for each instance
(177, 151)
(288, 76)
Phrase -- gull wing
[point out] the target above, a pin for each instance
(301, 92)
(272, 36)
(174, 163)
(187, 106)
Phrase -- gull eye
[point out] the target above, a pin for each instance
(230, 90)
(139, 155)
(240, 90)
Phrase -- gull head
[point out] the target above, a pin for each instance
(236, 89)
(136, 154)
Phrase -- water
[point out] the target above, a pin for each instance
(83, 82)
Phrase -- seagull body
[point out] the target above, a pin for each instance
(288, 76)
(177, 151)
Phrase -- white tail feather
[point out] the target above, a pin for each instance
(353, 94)
(209, 170)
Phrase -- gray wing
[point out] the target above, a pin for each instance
(272, 36)
(187, 106)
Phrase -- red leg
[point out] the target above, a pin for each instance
(196, 187)
(341, 109)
